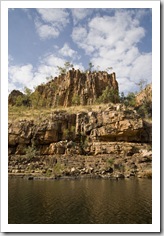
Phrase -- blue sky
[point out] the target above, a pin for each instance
(39, 40)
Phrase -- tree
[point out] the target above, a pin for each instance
(145, 110)
(19, 100)
(48, 78)
(90, 66)
(27, 91)
(109, 68)
(122, 97)
(67, 66)
(35, 99)
(142, 83)
(62, 70)
(24, 99)
(27, 99)
(108, 95)
(130, 100)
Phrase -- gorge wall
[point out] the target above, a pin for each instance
(73, 88)
(114, 142)
(77, 87)
(145, 94)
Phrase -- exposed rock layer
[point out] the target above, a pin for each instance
(87, 87)
(74, 87)
(145, 94)
(104, 143)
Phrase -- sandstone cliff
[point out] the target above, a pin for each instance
(73, 88)
(77, 87)
(112, 142)
(145, 94)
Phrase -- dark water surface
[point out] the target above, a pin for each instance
(85, 201)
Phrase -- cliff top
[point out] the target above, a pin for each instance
(75, 91)
(71, 88)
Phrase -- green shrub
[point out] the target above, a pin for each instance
(145, 110)
(108, 95)
(30, 152)
(130, 100)
(58, 168)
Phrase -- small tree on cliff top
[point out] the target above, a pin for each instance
(90, 66)
(142, 83)
(67, 66)
(109, 69)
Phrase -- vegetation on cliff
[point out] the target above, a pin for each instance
(83, 127)
(83, 89)
(71, 87)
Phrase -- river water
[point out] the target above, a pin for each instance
(85, 201)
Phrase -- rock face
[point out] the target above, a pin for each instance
(113, 142)
(145, 94)
(110, 142)
(74, 88)
(13, 96)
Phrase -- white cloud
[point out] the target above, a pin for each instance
(52, 60)
(66, 51)
(27, 76)
(78, 66)
(79, 34)
(142, 68)
(46, 31)
(126, 85)
(21, 76)
(51, 22)
(107, 31)
(57, 17)
(79, 14)
(112, 41)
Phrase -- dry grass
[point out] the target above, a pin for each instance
(27, 113)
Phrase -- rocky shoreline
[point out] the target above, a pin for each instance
(73, 177)
(80, 166)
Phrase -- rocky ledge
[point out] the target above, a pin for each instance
(110, 143)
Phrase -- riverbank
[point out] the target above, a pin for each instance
(80, 166)
(89, 176)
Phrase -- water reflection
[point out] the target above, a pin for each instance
(80, 201)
